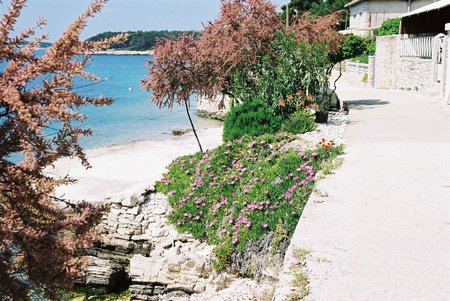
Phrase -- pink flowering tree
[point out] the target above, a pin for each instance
(40, 240)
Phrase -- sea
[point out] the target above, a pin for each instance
(132, 116)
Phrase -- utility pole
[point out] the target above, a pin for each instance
(287, 15)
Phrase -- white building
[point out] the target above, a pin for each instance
(367, 15)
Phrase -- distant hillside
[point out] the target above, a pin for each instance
(45, 44)
(139, 40)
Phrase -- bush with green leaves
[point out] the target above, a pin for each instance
(287, 69)
(351, 47)
(242, 190)
(299, 123)
(95, 294)
(389, 27)
(251, 118)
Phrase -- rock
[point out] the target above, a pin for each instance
(174, 268)
(187, 288)
(105, 273)
(145, 269)
(159, 211)
(131, 201)
(200, 287)
(209, 108)
(133, 210)
(180, 132)
(257, 261)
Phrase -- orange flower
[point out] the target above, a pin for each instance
(289, 97)
(299, 93)
(314, 106)
(281, 103)
(309, 97)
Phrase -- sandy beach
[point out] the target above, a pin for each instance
(123, 170)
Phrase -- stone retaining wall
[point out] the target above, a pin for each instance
(393, 71)
(209, 108)
(158, 259)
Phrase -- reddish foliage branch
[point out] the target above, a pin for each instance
(39, 241)
(238, 38)
(312, 29)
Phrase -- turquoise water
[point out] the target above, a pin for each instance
(132, 116)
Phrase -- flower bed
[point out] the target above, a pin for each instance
(243, 190)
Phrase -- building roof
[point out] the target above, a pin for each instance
(352, 3)
(430, 7)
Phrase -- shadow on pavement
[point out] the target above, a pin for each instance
(363, 104)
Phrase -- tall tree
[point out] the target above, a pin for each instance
(318, 8)
(40, 237)
(237, 39)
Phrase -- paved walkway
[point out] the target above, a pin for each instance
(381, 230)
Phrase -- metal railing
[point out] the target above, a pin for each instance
(420, 47)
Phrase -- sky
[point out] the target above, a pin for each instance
(122, 15)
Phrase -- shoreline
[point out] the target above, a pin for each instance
(123, 52)
(122, 170)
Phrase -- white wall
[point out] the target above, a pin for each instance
(381, 10)
(393, 71)
(373, 13)
(358, 15)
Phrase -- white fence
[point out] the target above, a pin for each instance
(357, 68)
(421, 47)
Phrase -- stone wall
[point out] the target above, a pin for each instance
(209, 108)
(392, 71)
(141, 251)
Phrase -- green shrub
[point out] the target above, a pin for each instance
(371, 43)
(241, 191)
(300, 122)
(351, 46)
(289, 68)
(389, 27)
(95, 294)
(252, 118)
(364, 59)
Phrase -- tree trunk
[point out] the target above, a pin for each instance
(192, 125)
(335, 87)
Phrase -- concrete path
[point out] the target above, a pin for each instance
(381, 228)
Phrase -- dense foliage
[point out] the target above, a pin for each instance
(314, 7)
(290, 77)
(95, 294)
(139, 40)
(389, 27)
(299, 123)
(351, 46)
(40, 239)
(242, 190)
(239, 40)
(252, 118)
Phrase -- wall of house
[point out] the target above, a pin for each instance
(415, 4)
(358, 16)
(381, 10)
(392, 71)
(370, 14)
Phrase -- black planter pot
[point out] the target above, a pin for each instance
(321, 117)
